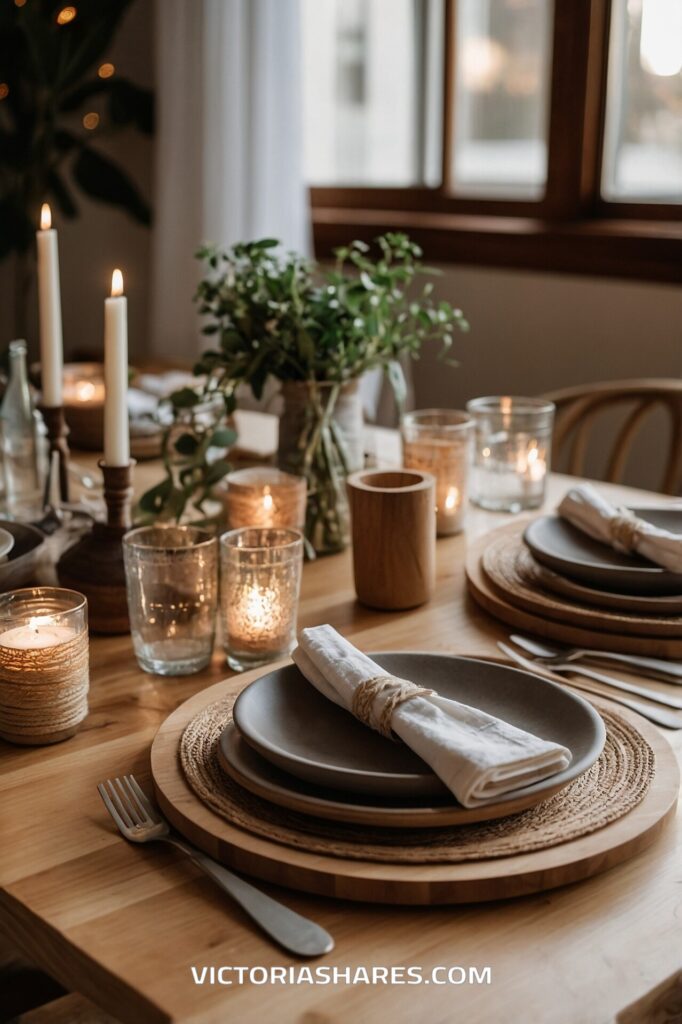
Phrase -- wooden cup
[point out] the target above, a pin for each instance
(394, 536)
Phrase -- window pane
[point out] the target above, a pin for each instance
(643, 132)
(372, 81)
(501, 97)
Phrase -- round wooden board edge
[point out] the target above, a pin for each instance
(422, 884)
(488, 597)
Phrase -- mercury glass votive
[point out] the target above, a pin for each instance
(512, 452)
(260, 584)
(44, 671)
(439, 441)
(264, 496)
(172, 586)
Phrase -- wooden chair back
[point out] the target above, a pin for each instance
(580, 408)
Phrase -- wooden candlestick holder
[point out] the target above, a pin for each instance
(57, 433)
(94, 565)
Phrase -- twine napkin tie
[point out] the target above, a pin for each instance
(395, 692)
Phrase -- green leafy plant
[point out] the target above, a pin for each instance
(273, 314)
(276, 315)
(52, 86)
(193, 455)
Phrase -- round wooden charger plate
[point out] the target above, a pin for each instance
(423, 884)
(502, 607)
(509, 565)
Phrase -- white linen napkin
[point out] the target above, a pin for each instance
(618, 527)
(477, 756)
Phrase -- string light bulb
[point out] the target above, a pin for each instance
(66, 15)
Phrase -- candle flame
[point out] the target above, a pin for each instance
(452, 499)
(45, 217)
(117, 283)
(85, 390)
(505, 405)
(39, 620)
(267, 500)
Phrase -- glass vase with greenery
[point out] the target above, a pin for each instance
(275, 315)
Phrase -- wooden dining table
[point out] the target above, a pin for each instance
(124, 925)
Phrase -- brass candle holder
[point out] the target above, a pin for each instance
(94, 565)
(57, 433)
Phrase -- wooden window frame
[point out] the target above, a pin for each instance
(571, 229)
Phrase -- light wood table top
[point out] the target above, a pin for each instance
(124, 925)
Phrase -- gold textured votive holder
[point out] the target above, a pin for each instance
(266, 497)
(261, 581)
(44, 665)
(439, 441)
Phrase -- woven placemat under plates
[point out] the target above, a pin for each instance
(615, 784)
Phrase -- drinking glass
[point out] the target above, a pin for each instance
(172, 584)
(438, 441)
(512, 451)
(261, 580)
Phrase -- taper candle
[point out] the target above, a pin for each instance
(50, 307)
(116, 430)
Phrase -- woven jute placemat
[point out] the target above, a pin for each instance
(615, 784)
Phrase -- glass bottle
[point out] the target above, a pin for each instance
(19, 446)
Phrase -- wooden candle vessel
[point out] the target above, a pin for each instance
(394, 537)
(57, 433)
(94, 565)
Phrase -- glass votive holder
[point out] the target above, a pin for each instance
(260, 584)
(264, 496)
(512, 452)
(439, 441)
(172, 586)
(44, 670)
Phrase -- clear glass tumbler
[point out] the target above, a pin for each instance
(512, 451)
(172, 583)
(260, 584)
(439, 441)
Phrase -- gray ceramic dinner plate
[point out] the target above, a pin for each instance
(6, 543)
(19, 567)
(302, 733)
(253, 773)
(569, 551)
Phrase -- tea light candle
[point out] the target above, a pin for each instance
(512, 451)
(438, 441)
(43, 664)
(261, 576)
(266, 497)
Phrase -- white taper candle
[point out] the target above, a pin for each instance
(116, 431)
(50, 306)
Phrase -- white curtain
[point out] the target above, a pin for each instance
(229, 145)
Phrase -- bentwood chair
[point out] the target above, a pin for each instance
(583, 413)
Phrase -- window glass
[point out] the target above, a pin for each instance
(501, 97)
(642, 157)
(372, 81)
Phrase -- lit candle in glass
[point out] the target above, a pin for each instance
(43, 664)
(261, 578)
(438, 441)
(263, 496)
(512, 452)
(84, 404)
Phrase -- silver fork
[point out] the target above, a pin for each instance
(656, 668)
(140, 822)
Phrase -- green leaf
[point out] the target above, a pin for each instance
(216, 471)
(186, 444)
(102, 179)
(154, 500)
(184, 398)
(223, 437)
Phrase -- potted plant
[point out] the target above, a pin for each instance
(317, 332)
